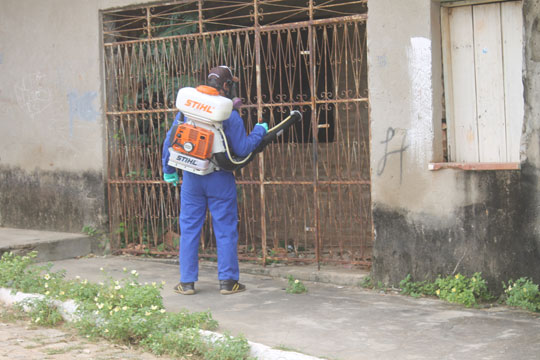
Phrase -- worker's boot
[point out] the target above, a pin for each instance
(185, 288)
(227, 287)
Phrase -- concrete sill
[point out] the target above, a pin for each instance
(474, 166)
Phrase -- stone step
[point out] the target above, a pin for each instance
(50, 246)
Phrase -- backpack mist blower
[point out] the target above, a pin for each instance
(199, 144)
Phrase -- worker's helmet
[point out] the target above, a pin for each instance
(220, 75)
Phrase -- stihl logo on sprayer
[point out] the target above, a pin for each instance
(199, 106)
(186, 160)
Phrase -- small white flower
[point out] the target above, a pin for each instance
(106, 331)
(100, 269)
(124, 308)
(47, 277)
(117, 287)
(46, 285)
(37, 320)
(148, 313)
(124, 269)
(77, 277)
(133, 272)
(47, 292)
(162, 311)
(153, 307)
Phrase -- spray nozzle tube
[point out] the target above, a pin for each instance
(226, 160)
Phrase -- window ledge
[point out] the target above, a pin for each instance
(475, 166)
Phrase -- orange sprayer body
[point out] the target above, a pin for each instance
(193, 141)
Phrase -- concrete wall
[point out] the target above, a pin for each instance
(440, 222)
(52, 148)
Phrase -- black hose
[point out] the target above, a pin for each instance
(226, 161)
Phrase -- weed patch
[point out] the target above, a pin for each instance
(471, 291)
(122, 311)
(295, 286)
(42, 311)
(522, 293)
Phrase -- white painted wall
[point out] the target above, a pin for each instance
(51, 94)
(405, 81)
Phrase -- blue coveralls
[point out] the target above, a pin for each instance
(217, 191)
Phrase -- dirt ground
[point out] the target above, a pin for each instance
(22, 340)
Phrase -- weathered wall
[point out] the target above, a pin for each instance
(439, 222)
(52, 150)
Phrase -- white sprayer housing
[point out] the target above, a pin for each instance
(205, 110)
(199, 106)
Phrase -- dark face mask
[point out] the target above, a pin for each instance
(233, 90)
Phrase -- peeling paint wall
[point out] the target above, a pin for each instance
(52, 147)
(430, 223)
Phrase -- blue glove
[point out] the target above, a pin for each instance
(264, 125)
(171, 178)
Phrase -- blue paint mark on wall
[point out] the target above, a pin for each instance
(382, 61)
(81, 107)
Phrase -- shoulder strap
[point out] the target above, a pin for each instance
(172, 134)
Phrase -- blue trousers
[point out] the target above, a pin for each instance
(217, 192)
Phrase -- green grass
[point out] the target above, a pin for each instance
(473, 291)
(121, 311)
(295, 286)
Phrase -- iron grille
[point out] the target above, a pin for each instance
(307, 198)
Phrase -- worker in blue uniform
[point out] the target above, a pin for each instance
(215, 191)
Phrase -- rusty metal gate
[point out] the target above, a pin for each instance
(307, 197)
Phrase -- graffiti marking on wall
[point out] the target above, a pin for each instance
(33, 97)
(82, 107)
(390, 134)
